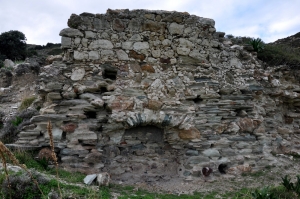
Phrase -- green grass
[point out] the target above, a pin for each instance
(75, 191)
(19, 61)
(17, 121)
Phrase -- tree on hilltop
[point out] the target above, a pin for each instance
(13, 45)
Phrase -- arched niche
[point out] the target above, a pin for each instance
(145, 155)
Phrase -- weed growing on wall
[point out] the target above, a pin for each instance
(26, 102)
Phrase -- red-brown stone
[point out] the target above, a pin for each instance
(247, 124)
(121, 103)
(118, 25)
(148, 68)
(136, 55)
(191, 133)
(69, 127)
(154, 104)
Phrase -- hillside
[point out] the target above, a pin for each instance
(44, 50)
(283, 51)
(292, 41)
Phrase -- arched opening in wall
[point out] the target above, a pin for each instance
(148, 155)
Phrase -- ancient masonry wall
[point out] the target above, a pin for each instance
(153, 95)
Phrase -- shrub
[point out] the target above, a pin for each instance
(31, 53)
(22, 186)
(26, 102)
(13, 45)
(263, 193)
(12, 127)
(290, 186)
(50, 45)
(280, 54)
(257, 44)
(55, 51)
(238, 40)
(17, 121)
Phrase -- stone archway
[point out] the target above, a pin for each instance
(145, 155)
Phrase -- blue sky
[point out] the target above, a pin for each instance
(42, 20)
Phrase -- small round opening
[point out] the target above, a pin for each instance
(222, 168)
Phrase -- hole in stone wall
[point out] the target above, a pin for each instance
(197, 100)
(246, 91)
(63, 136)
(222, 168)
(110, 76)
(90, 114)
(109, 72)
(145, 38)
(107, 108)
(103, 89)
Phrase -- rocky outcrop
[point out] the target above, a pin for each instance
(153, 95)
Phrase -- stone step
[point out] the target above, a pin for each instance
(29, 133)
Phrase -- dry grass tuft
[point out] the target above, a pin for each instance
(53, 154)
(26, 102)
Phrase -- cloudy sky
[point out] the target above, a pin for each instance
(42, 20)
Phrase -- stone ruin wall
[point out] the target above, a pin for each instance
(153, 95)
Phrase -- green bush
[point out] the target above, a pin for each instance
(22, 187)
(280, 54)
(55, 51)
(238, 40)
(13, 45)
(17, 121)
(263, 193)
(290, 186)
(257, 44)
(31, 53)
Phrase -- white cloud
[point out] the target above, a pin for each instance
(278, 26)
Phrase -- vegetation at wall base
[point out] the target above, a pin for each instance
(71, 184)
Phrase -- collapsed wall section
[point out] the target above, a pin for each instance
(152, 95)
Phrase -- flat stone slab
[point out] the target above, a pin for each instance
(22, 147)
(89, 179)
